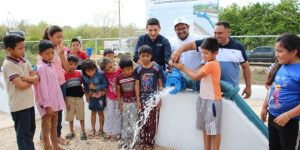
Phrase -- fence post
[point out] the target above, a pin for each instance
(96, 45)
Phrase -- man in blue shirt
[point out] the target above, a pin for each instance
(161, 48)
(231, 55)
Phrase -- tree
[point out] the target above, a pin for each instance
(262, 19)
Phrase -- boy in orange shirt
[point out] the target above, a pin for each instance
(209, 104)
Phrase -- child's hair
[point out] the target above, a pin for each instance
(44, 45)
(290, 42)
(10, 41)
(104, 62)
(51, 31)
(108, 51)
(152, 21)
(73, 58)
(272, 73)
(210, 44)
(125, 62)
(88, 65)
(75, 40)
(145, 49)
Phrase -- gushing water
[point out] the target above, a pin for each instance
(148, 106)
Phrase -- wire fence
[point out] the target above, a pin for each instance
(259, 48)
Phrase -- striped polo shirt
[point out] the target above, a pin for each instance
(230, 57)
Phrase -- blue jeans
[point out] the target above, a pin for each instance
(24, 121)
(63, 88)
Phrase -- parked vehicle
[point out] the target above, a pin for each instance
(262, 54)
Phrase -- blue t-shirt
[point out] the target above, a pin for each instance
(285, 91)
(148, 78)
(230, 57)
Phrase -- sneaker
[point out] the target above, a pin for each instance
(83, 136)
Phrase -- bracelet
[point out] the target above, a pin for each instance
(286, 116)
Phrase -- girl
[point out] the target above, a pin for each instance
(94, 85)
(48, 104)
(283, 101)
(60, 64)
(112, 113)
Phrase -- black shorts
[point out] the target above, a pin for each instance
(97, 104)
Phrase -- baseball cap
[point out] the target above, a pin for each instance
(179, 20)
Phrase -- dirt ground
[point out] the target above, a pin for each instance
(8, 139)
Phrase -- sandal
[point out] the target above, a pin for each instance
(116, 137)
(83, 136)
(92, 134)
(97, 135)
(70, 136)
(121, 143)
(107, 137)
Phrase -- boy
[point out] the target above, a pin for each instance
(209, 105)
(127, 101)
(19, 79)
(76, 50)
(109, 53)
(48, 104)
(148, 80)
(74, 100)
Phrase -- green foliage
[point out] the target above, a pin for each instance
(262, 19)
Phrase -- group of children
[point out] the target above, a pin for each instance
(122, 94)
(112, 91)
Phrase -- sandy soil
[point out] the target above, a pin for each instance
(8, 139)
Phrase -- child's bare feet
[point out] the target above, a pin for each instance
(63, 141)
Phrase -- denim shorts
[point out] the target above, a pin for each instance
(97, 104)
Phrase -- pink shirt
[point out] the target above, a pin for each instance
(47, 90)
(111, 89)
(57, 63)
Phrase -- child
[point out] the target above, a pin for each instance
(209, 104)
(49, 98)
(109, 53)
(283, 103)
(148, 81)
(19, 78)
(76, 50)
(60, 64)
(112, 125)
(94, 84)
(127, 101)
(74, 100)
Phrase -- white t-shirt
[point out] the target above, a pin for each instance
(191, 59)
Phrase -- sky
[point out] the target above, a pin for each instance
(76, 13)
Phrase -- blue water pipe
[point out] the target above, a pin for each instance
(177, 80)
(232, 93)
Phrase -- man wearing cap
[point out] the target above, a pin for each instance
(231, 55)
(161, 48)
(192, 58)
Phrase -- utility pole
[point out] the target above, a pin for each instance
(119, 5)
